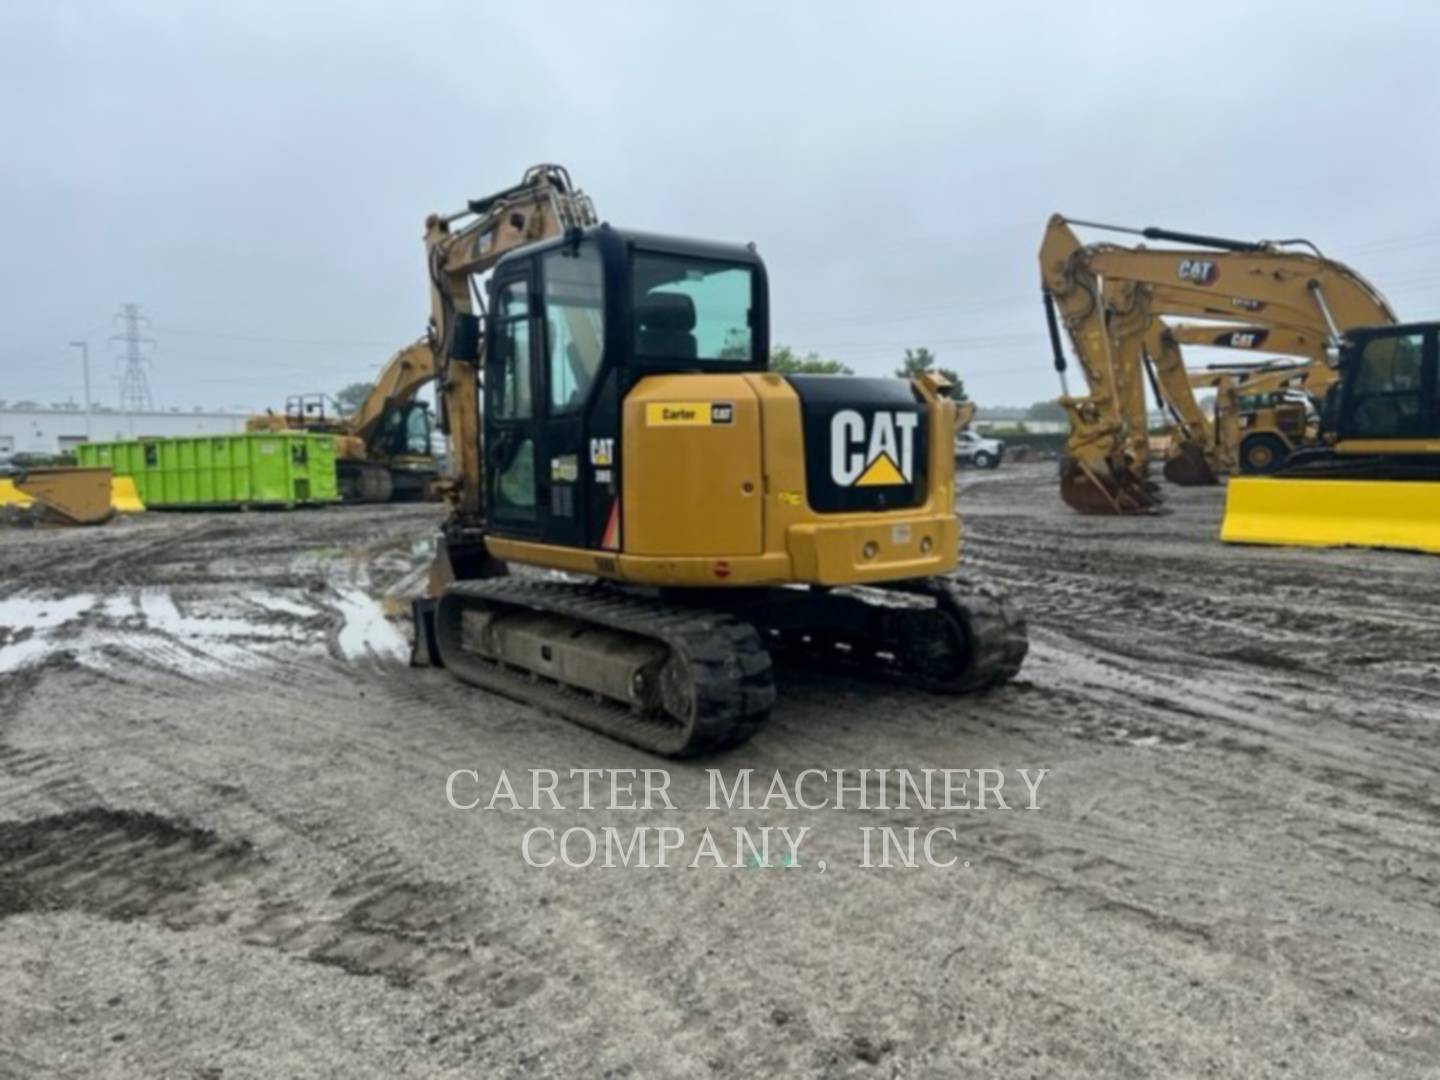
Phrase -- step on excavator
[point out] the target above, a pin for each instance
(642, 514)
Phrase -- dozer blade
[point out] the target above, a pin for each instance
(1100, 489)
(1188, 467)
(124, 497)
(1401, 514)
(10, 495)
(68, 496)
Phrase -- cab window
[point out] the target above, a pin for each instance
(1386, 396)
(510, 395)
(574, 325)
(417, 430)
(693, 309)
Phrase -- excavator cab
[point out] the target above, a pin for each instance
(1389, 393)
(405, 432)
(575, 324)
(402, 443)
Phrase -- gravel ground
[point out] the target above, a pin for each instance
(226, 848)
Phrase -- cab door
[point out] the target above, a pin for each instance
(570, 356)
(511, 422)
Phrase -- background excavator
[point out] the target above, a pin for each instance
(1263, 411)
(383, 449)
(1108, 296)
(714, 512)
(1368, 473)
(1269, 402)
(1372, 478)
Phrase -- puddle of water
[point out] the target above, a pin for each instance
(367, 632)
(42, 617)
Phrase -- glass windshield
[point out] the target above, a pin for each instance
(693, 309)
(574, 325)
(417, 430)
(1386, 388)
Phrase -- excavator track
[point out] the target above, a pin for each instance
(948, 635)
(674, 680)
(690, 672)
(995, 640)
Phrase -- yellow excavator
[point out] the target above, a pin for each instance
(1104, 469)
(1263, 412)
(1276, 402)
(1259, 401)
(382, 448)
(703, 512)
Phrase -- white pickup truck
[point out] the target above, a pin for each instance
(976, 450)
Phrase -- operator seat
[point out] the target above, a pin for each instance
(666, 323)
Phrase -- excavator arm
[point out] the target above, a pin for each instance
(402, 377)
(1253, 337)
(1104, 465)
(460, 247)
(1320, 290)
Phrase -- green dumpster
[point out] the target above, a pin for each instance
(280, 469)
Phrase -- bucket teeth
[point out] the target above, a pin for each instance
(1189, 466)
(1107, 488)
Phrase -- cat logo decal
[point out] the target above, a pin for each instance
(873, 451)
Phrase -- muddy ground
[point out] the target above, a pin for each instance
(226, 849)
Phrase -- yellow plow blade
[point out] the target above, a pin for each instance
(10, 495)
(123, 496)
(1403, 514)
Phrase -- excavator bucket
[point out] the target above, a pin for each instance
(1097, 488)
(1188, 466)
(66, 496)
(1401, 514)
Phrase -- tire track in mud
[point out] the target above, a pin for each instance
(1235, 667)
(1229, 635)
(118, 864)
(383, 919)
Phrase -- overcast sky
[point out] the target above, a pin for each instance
(256, 176)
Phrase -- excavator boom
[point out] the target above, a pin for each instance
(459, 246)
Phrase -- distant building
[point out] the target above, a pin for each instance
(33, 429)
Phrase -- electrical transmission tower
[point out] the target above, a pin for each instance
(134, 384)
